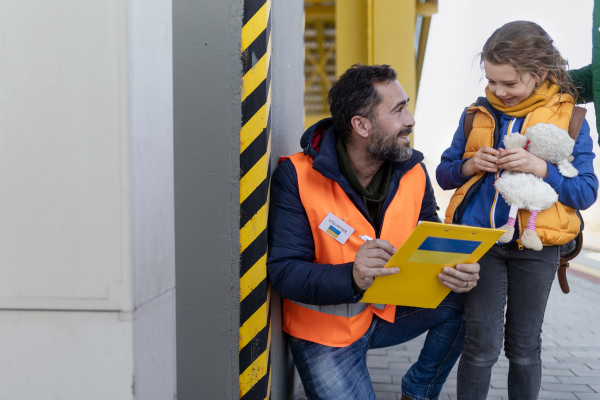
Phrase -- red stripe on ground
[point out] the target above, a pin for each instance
(583, 275)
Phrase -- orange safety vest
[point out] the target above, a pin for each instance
(342, 324)
(556, 225)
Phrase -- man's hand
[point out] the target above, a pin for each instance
(370, 259)
(461, 279)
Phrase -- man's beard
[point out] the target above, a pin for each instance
(385, 146)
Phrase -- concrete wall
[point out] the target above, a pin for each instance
(207, 80)
(87, 166)
(287, 125)
(86, 238)
(207, 119)
(150, 55)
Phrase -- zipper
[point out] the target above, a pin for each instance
(509, 129)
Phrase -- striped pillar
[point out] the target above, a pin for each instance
(255, 149)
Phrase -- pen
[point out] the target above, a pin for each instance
(365, 237)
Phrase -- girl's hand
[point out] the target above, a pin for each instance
(484, 160)
(518, 159)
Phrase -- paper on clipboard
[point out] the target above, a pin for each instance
(429, 248)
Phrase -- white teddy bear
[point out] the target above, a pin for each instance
(523, 190)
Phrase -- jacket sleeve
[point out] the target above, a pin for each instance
(290, 265)
(448, 171)
(581, 191)
(429, 207)
(583, 81)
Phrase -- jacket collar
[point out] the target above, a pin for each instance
(318, 141)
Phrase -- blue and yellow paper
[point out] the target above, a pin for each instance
(430, 247)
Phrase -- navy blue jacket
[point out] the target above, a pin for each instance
(290, 264)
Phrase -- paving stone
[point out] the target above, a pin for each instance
(584, 371)
(556, 352)
(577, 360)
(499, 384)
(558, 372)
(381, 378)
(399, 368)
(497, 393)
(387, 387)
(588, 396)
(580, 380)
(382, 357)
(586, 353)
(378, 363)
(563, 387)
(402, 353)
(560, 365)
(550, 379)
(388, 396)
(557, 395)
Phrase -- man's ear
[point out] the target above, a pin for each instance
(361, 125)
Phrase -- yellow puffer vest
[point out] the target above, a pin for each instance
(556, 225)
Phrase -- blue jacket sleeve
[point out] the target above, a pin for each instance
(290, 265)
(448, 171)
(581, 191)
(429, 206)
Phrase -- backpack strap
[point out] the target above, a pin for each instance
(575, 124)
(564, 263)
(574, 127)
(468, 126)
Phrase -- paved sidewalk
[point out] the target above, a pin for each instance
(571, 351)
(571, 344)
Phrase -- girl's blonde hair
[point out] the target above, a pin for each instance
(528, 48)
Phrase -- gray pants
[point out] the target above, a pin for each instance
(519, 282)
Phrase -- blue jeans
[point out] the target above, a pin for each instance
(521, 281)
(341, 372)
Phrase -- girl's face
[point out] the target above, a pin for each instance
(506, 83)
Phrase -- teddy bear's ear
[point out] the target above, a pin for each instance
(514, 139)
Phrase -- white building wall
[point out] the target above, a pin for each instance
(86, 200)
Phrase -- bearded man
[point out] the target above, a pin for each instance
(357, 178)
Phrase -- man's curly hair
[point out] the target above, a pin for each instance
(354, 93)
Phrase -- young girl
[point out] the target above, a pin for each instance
(528, 84)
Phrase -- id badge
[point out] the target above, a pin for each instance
(336, 228)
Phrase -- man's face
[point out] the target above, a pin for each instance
(391, 124)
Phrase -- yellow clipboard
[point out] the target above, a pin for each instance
(430, 247)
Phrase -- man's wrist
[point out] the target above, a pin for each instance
(357, 290)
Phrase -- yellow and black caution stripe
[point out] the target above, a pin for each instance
(255, 149)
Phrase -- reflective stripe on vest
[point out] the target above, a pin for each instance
(341, 325)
